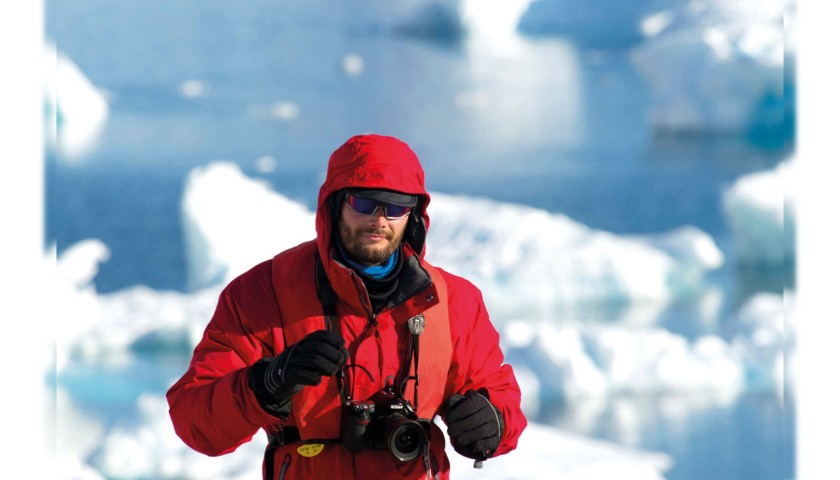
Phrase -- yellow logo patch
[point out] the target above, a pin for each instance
(310, 449)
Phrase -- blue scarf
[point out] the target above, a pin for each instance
(374, 271)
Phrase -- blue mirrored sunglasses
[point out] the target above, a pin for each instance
(368, 206)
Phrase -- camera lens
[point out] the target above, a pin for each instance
(406, 439)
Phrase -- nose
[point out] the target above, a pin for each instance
(378, 215)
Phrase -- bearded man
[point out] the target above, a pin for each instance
(345, 348)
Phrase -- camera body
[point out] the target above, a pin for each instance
(383, 422)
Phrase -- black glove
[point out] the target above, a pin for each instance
(275, 379)
(475, 426)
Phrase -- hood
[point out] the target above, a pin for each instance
(373, 161)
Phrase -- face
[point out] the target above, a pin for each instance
(369, 239)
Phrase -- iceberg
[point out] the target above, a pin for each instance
(75, 109)
(74, 294)
(718, 67)
(573, 360)
(759, 209)
(525, 257)
(528, 256)
(232, 222)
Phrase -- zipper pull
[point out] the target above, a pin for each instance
(372, 322)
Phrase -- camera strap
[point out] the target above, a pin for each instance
(328, 299)
(414, 356)
(416, 326)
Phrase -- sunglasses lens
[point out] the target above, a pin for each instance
(367, 206)
(396, 211)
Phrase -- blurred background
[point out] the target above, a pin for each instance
(613, 177)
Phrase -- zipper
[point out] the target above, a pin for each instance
(372, 323)
(363, 298)
(285, 467)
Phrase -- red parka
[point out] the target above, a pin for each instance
(212, 406)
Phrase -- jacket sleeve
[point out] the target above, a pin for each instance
(478, 361)
(213, 409)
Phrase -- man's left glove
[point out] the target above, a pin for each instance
(475, 426)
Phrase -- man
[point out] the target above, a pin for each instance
(345, 348)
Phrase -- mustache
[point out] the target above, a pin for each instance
(379, 231)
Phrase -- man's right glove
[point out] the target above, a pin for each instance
(275, 379)
(475, 426)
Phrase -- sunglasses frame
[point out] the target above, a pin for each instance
(378, 203)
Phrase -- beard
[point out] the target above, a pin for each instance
(358, 251)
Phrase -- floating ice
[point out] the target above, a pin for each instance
(548, 453)
(76, 110)
(151, 449)
(525, 256)
(74, 295)
(716, 66)
(577, 359)
(529, 256)
(767, 339)
(565, 359)
(232, 222)
(759, 209)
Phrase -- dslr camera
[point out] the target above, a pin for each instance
(383, 422)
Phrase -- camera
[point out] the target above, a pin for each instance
(383, 422)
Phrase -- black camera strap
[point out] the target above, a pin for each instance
(414, 355)
(416, 324)
(328, 299)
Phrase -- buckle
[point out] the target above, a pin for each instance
(283, 436)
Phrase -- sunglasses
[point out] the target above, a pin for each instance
(368, 206)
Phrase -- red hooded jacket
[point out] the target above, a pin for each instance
(212, 406)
